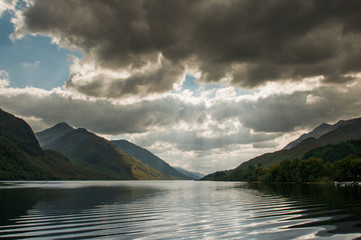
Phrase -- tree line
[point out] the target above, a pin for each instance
(335, 162)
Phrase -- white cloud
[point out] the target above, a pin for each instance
(7, 5)
(225, 93)
(4, 79)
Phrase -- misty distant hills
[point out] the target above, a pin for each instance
(193, 175)
(88, 150)
(149, 158)
(326, 134)
(21, 157)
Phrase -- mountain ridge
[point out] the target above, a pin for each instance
(51, 134)
(347, 130)
(21, 157)
(86, 149)
(149, 158)
(315, 133)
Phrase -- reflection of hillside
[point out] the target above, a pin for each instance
(338, 207)
(18, 201)
(80, 199)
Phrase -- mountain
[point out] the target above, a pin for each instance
(344, 131)
(315, 133)
(193, 175)
(17, 131)
(149, 158)
(21, 157)
(51, 134)
(88, 150)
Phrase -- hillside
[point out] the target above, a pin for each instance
(334, 152)
(333, 162)
(51, 134)
(149, 158)
(21, 157)
(88, 150)
(17, 131)
(315, 133)
(346, 130)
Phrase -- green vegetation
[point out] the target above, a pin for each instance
(21, 157)
(15, 163)
(306, 170)
(334, 152)
(333, 162)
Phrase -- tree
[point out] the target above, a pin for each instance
(310, 170)
(348, 169)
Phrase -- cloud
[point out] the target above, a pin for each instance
(191, 140)
(243, 43)
(285, 112)
(219, 120)
(113, 84)
(100, 116)
(7, 5)
(4, 79)
(270, 144)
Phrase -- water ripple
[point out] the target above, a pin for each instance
(183, 210)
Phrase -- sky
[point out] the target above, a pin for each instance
(203, 84)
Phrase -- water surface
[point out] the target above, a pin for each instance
(177, 210)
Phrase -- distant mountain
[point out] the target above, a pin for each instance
(51, 134)
(193, 175)
(150, 159)
(344, 131)
(21, 157)
(88, 150)
(315, 133)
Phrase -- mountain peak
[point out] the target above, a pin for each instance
(82, 130)
(50, 134)
(86, 149)
(63, 124)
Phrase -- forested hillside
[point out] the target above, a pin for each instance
(334, 162)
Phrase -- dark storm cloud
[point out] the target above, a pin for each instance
(249, 41)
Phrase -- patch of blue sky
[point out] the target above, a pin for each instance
(196, 88)
(32, 60)
(189, 83)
